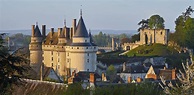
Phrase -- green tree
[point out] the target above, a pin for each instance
(184, 29)
(125, 40)
(11, 68)
(102, 39)
(156, 22)
(76, 89)
(143, 88)
(144, 24)
(189, 28)
(135, 37)
(111, 72)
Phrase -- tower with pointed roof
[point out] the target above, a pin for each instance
(35, 48)
(82, 49)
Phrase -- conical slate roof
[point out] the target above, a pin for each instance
(37, 32)
(81, 30)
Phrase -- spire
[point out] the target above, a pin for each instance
(81, 30)
(81, 11)
(65, 22)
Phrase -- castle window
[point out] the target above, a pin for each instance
(88, 60)
(52, 58)
(51, 64)
(67, 54)
(88, 54)
(58, 59)
(86, 47)
(85, 40)
(77, 47)
(161, 33)
(51, 52)
(62, 46)
(58, 66)
(58, 53)
(94, 47)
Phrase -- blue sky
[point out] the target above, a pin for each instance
(97, 14)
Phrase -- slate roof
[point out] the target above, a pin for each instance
(37, 31)
(81, 30)
(135, 69)
(47, 71)
(54, 40)
(62, 33)
(84, 75)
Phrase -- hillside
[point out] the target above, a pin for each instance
(152, 50)
(173, 57)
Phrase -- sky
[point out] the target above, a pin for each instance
(97, 14)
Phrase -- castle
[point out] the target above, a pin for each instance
(149, 36)
(66, 51)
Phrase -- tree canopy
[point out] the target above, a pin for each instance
(11, 68)
(144, 24)
(184, 29)
(156, 22)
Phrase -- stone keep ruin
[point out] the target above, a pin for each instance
(149, 36)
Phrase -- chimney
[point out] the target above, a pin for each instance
(173, 74)
(164, 67)
(138, 79)
(43, 31)
(33, 32)
(129, 79)
(92, 78)
(52, 32)
(103, 77)
(74, 26)
(124, 66)
(73, 73)
(59, 32)
(71, 33)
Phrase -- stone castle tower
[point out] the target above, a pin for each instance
(149, 36)
(35, 47)
(66, 50)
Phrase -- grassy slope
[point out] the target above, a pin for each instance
(152, 50)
